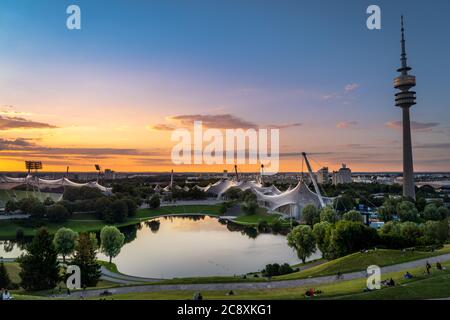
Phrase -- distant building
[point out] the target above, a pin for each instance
(344, 175)
(323, 176)
(110, 174)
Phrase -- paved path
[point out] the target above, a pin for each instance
(256, 285)
(13, 216)
(123, 278)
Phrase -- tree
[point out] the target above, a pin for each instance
(118, 212)
(250, 206)
(431, 212)
(131, 206)
(329, 214)
(411, 231)
(302, 240)
(348, 237)
(85, 258)
(310, 214)
(436, 232)
(38, 210)
(64, 241)
(391, 228)
(11, 206)
(102, 207)
(57, 213)
(154, 202)
(388, 209)
(322, 233)
(344, 203)
(39, 266)
(5, 281)
(444, 212)
(26, 204)
(111, 241)
(407, 211)
(353, 215)
(48, 201)
(233, 193)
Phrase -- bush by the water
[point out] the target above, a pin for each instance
(275, 269)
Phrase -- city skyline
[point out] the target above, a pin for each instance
(99, 95)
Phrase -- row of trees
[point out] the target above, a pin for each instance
(407, 211)
(38, 210)
(40, 268)
(337, 235)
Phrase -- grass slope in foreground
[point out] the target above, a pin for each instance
(360, 261)
(422, 286)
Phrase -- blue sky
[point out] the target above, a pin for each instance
(268, 62)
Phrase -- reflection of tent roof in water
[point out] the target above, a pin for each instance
(10, 183)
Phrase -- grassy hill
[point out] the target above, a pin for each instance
(360, 261)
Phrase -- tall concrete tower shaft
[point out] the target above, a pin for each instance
(405, 99)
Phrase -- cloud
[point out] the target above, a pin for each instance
(416, 126)
(346, 124)
(14, 144)
(8, 123)
(284, 126)
(433, 146)
(220, 121)
(351, 87)
(161, 127)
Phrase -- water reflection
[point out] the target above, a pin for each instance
(191, 246)
(183, 246)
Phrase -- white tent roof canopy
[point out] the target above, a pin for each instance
(9, 183)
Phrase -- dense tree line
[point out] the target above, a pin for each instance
(336, 234)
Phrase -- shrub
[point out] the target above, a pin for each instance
(57, 213)
(310, 215)
(329, 214)
(132, 207)
(353, 215)
(407, 211)
(154, 202)
(118, 212)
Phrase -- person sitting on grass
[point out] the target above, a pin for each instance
(408, 275)
(6, 295)
(309, 293)
(439, 266)
(391, 283)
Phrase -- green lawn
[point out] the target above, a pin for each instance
(13, 269)
(88, 222)
(437, 285)
(259, 216)
(360, 261)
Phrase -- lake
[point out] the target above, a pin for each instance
(195, 246)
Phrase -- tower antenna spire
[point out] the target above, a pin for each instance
(404, 68)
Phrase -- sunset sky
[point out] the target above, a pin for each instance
(112, 92)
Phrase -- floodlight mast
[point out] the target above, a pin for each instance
(311, 175)
(262, 174)
(99, 169)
